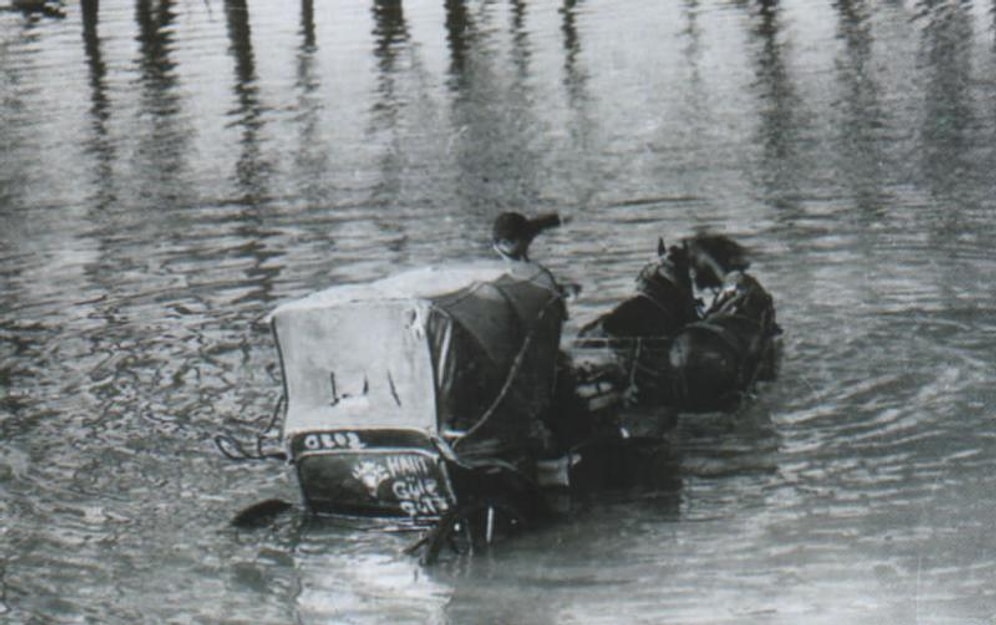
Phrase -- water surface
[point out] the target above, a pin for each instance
(171, 171)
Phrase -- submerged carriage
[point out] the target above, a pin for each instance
(449, 388)
(408, 396)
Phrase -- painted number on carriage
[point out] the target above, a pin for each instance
(333, 440)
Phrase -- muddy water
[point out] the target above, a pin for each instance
(172, 171)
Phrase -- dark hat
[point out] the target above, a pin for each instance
(512, 232)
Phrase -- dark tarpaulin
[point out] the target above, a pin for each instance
(494, 350)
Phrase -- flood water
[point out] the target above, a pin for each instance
(171, 171)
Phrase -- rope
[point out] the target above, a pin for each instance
(512, 372)
(233, 449)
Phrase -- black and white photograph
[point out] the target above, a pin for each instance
(497, 312)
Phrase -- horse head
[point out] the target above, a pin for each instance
(662, 304)
(712, 256)
(672, 268)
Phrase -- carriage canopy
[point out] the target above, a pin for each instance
(467, 352)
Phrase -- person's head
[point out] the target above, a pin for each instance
(511, 235)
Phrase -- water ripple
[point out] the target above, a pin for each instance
(180, 168)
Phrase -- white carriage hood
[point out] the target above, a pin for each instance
(357, 355)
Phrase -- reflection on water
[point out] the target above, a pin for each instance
(251, 169)
(863, 118)
(172, 170)
(97, 145)
(160, 151)
(457, 25)
(780, 108)
(949, 117)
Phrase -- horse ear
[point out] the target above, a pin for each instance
(661, 248)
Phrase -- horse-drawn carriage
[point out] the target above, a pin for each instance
(442, 397)
(419, 395)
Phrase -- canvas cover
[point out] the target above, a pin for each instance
(355, 362)
(467, 352)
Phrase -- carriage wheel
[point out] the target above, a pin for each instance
(471, 526)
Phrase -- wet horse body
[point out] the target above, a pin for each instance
(639, 330)
(663, 303)
(715, 361)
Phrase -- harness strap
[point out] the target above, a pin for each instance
(513, 373)
(723, 333)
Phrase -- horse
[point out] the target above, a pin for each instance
(638, 330)
(712, 363)
(670, 348)
(663, 302)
